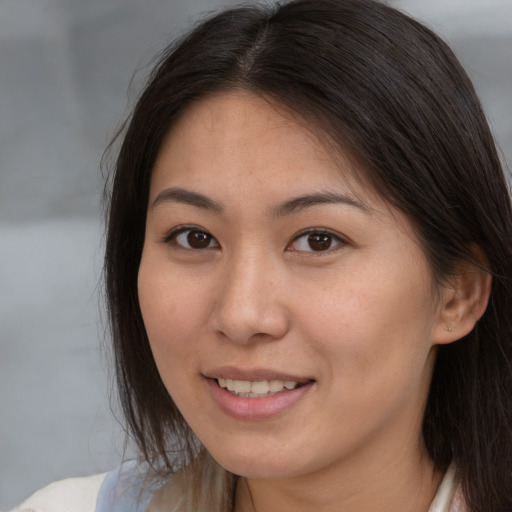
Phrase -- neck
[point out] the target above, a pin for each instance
(403, 483)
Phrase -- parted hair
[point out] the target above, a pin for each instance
(388, 91)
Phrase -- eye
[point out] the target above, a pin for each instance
(316, 241)
(192, 238)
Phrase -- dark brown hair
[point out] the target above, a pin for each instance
(390, 92)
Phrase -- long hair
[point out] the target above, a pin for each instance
(388, 91)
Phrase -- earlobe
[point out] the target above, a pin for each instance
(464, 300)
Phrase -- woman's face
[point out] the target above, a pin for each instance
(290, 310)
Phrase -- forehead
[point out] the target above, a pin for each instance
(241, 138)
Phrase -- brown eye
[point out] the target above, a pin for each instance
(198, 239)
(319, 241)
(192, 239)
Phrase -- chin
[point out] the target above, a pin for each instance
(261, 471)
(260, 466)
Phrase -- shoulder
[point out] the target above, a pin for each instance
(71, 495)
(128, 488)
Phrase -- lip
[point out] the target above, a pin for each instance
(256, 408)
(253, 375)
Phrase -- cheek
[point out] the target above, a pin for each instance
(374, 327)
(173, 311)
(375, 356)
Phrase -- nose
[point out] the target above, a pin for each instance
(250, 303)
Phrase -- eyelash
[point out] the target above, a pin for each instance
(171, 238)
(334, 239)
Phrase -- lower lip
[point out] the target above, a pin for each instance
(259, 408)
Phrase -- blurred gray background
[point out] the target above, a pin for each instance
(65, 73)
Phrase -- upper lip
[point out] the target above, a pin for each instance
(253, 374)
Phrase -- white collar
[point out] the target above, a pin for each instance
(445, 493)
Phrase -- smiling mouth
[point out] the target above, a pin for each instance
(257, 389)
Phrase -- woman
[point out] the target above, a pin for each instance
(308, 268)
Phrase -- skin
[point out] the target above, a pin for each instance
(362, 319)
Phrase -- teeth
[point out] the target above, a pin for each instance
(276, 385)
(260, 387)
(257, 388)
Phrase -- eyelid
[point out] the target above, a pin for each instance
(170, 237)
(341, 240)
(174, 232)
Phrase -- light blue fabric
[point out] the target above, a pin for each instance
(127, 489)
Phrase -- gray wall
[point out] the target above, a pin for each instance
(65, 67)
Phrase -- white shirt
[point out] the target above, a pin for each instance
(80, 495)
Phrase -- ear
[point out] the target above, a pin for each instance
(464, 299)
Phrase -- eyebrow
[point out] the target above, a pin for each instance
(315, 199)
(181, 195)
(184, 196)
